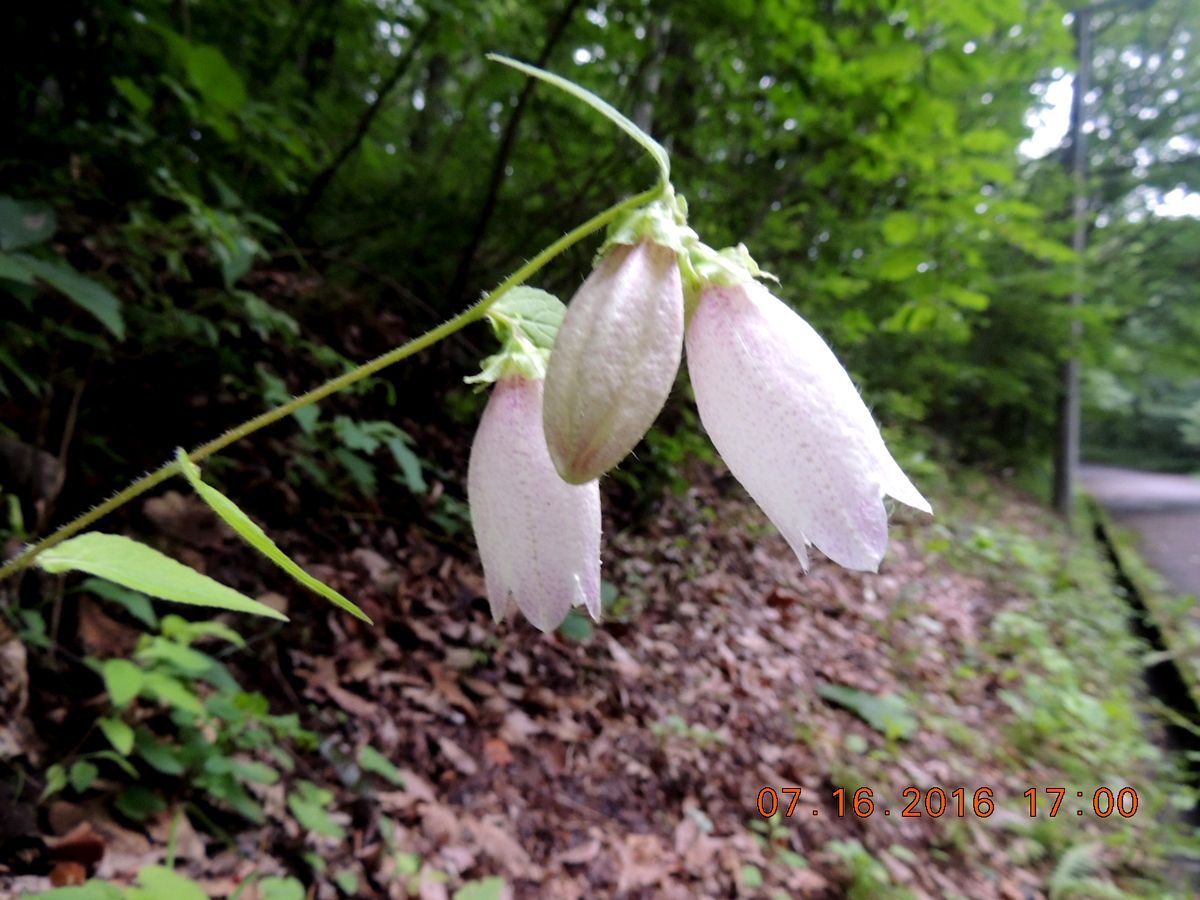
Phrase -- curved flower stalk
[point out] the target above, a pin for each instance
(790, 424)
(614, 360)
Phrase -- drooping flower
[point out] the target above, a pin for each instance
(614, 359)
(538, 537)
(790, 424)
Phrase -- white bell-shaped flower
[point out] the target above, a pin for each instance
(614, 359)
(538, 537)
(790, 424)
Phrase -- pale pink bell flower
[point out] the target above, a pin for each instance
(790, 424)
(614, 359)
(538, 536)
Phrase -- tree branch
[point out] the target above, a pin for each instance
(504, 151)
(325, 176)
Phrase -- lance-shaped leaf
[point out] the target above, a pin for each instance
(656, 150)
(124, 561)
(257, 538)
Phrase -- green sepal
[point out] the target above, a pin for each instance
(664, 222)
(526, 321)
(257, 538)
(702, 266)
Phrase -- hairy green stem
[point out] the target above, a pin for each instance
(333, 385)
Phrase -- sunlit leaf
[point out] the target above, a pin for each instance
(160, 882)
(118, 733)
(134, 95)
(138, 567)
(122, 679)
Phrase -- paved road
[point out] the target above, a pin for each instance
(1164, 510)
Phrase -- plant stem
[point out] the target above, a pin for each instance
(333, 385)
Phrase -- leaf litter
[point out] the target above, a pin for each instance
(630, 763)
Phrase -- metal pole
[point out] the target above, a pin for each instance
(1066, 467)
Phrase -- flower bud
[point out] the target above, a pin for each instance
(538, 537)
(614, 359)
(791, 426)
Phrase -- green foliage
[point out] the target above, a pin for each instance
(576, 627)
(309, 804)
(372, 760)
(1072, 686)
(1075, 876)
(526, 321)
(129, 564)
(159, 883)
(492, 888)
(677, 726)
(180, 725)
(24, 226)
(888, 714)
(868, 876)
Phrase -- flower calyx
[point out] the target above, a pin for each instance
(526, 322)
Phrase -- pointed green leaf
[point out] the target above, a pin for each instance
(118, 733)
(116, 759)
(172, 692)
(214, 77)
(134, 95)
(141, 568)
(373, 761)
(90, 295)
(82, 775)
(163, 757)
(651, 146)
(122, 680)
(257, 538)
(56, 780)
(886, 713)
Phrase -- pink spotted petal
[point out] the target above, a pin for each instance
(614, 360)
(538, 537)
(790, 424)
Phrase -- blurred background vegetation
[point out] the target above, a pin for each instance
(207, 206)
